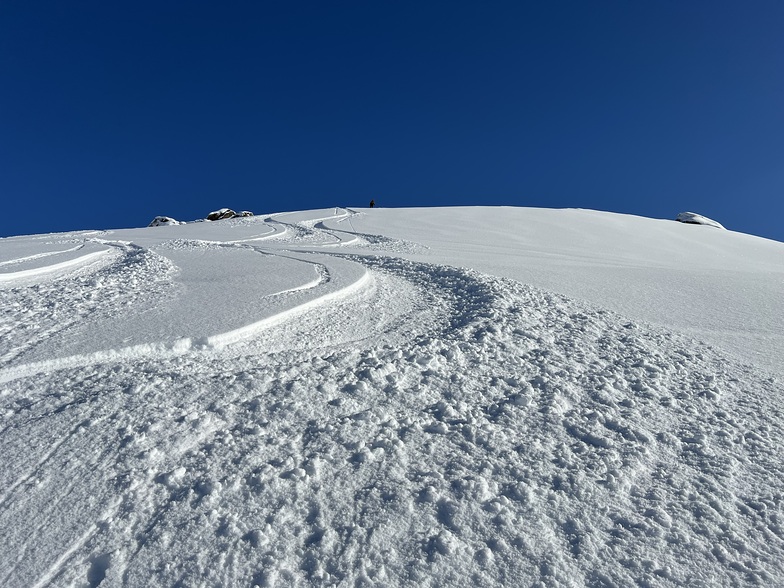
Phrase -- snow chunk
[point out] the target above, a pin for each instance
(697, 219)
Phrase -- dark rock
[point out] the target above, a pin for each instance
(221, 214)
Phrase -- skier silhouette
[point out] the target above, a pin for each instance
(372, 203)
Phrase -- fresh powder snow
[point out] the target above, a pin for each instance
(393, 397)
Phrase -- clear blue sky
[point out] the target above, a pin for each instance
(114, 112)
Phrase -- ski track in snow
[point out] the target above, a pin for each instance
(53, 268)
(422, 426)
(36, 256)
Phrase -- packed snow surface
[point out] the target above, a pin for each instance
(409, 397)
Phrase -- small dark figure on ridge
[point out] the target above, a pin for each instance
(372, 203)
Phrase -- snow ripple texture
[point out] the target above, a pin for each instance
(438, 428)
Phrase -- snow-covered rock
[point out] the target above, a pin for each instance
(221, 214)
(225, 213)
(693, 218)
(163, 221)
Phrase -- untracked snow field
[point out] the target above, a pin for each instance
(403, 397)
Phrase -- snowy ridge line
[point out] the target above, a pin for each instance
(180, 346)
(39, 256)
(82, 260)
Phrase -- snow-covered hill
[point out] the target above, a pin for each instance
(415, 397)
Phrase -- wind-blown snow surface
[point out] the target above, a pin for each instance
(475, 396)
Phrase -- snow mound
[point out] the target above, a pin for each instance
(692, 218)
(164, 221)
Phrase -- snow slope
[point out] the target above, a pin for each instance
(421, 397)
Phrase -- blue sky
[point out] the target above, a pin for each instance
(114, 112)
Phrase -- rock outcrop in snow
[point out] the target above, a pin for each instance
(692, 218)
(164, 221)
(225, 213)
